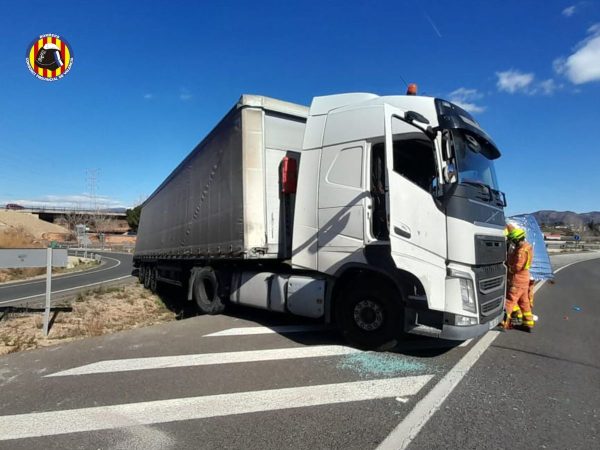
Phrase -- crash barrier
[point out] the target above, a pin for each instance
(570, 245)
(22, 258)
(112, 248)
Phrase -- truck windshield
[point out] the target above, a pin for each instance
(473, 165)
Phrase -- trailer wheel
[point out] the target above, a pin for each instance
(141, 274)
(369, 316)
(206, 292)
(147, 271)
(153, 275)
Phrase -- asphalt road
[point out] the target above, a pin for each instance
(116, 266)
(229, 381)
(539, 390)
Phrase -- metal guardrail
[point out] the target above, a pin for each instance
(572, 245)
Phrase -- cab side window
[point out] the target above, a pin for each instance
(414, 159)
(378, 193)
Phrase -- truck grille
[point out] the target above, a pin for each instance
(490, 290)
(491, 284)
(491, 306)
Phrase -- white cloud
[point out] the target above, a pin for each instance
(569, 11)
(148, 96)
(512, 81)
(184, 94)
(82, 201)
(466, 94)
(583, 65)
(465, 98)
(547, 87)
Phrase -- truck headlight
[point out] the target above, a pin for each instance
(467, 291)
(467, 294)
(464, 321)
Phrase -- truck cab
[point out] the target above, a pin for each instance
(399, 206)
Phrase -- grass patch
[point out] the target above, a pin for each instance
(94, 313)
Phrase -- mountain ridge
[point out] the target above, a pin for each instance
(576, 221)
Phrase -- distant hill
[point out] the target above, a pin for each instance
(576, 221)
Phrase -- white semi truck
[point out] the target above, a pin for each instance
(380, 213)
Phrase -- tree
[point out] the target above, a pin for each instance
(74, 218)
(133, 217)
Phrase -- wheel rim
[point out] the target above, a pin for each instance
(368, 315)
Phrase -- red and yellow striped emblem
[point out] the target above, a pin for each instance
(61, 57)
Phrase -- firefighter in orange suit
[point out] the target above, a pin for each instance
(518, 304)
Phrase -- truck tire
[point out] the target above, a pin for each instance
(206, 292)
(153, 274)
(141, 274)
(369, 317)
(146, 270)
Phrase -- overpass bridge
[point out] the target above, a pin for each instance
(112, 221)
(63, 211)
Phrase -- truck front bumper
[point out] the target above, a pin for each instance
(462, 333)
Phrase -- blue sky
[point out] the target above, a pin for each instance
(150, 79)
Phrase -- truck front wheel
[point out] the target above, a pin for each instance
(369, 316)
(206, 292)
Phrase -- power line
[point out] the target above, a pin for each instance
(91, 177)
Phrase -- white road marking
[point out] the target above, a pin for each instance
(64, 290)
(408, 429)
(50, 423)
(245, 331)
(465, 343)
(206, 359)
(432, 344)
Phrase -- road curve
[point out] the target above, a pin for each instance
(117, 266)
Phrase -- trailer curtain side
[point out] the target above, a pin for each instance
(224, 199)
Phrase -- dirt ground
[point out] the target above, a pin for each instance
(94, 313)
(30, 223)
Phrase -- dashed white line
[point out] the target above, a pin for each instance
(206, 359)
(50, 423)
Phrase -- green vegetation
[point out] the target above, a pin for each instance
(133, 217)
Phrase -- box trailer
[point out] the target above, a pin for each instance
(382, 214)
(223, 200)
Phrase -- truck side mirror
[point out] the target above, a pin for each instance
(447, 152)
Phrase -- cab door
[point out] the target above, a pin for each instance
(417, 227)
